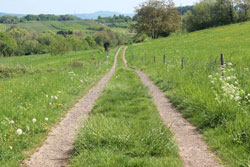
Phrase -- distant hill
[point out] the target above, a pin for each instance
(100, 13)
(83, 15)
(12, 14)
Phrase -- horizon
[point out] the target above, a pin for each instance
(62, 7)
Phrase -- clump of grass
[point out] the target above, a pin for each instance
(218, 106)
(76, 63)
(124, 129)
(8, 71)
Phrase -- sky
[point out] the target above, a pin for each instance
(74, 6)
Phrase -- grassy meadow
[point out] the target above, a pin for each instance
(218, 106)
(125, 129)
(36, 91)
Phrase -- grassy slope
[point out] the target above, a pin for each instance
(24, 97)
(124, 129)
(224, 121)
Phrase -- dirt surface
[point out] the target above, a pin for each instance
(58, 147)
(193, 149)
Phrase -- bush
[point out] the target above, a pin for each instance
(8, 46)
(140, 37)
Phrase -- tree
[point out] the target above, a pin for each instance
(243, 9)
(59, 45)
(8, 45)
(91, 41)
(201, 17)
(223, 12)
(157, 18)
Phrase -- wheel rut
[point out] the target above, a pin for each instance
(59, 144)
(193, 150)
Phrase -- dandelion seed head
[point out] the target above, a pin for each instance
(19, 132)
(34, 120)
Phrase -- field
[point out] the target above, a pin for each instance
(125, 129)
(54, 26)
(38, 90)
(2, 27)
(218, 106)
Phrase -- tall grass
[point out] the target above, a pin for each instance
(35, 99)
(125, 129)
(218, 106)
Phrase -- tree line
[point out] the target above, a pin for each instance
(212, 13)
(42, 17)
(114, 19)
(18, 42)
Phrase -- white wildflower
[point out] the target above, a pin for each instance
(237, 98)
(46, 119)
(34, 120)
(10, 147)
(19, 131)
(12, 122)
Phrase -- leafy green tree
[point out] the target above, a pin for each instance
(90, 40)
(223, 12)
(243, 9)
(9, 19)
(8, 45)
(157, 18)
(59, 45)
(202, 16)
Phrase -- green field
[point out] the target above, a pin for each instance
(54, 26)
(218, 106)
(125, 129)
(38, 90)
(2, 28)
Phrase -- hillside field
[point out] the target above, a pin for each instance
(54, 26)
(218, 106)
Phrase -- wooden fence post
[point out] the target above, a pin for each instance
(182, 63)
(222, 64)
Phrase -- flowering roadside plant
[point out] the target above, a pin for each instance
(227, 88)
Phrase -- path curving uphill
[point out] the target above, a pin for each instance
(58, 147)
(193, 149)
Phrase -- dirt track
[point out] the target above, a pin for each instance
(193, 150)
(58, 147)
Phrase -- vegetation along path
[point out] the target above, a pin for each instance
(192, 149)
(58, 147)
